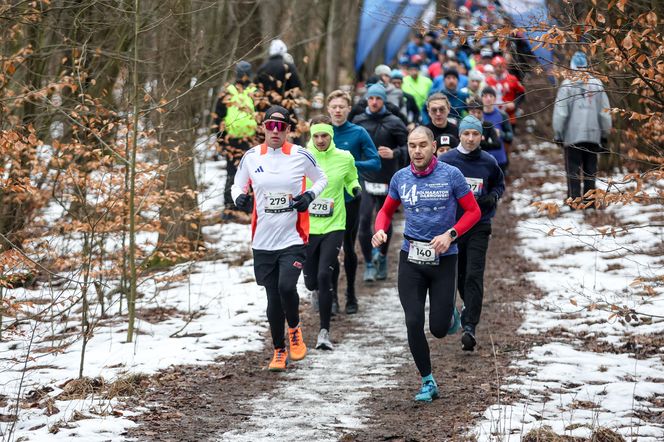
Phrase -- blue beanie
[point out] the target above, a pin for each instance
(396, 73)
(470, 122)
(377, 90)
(579, 60)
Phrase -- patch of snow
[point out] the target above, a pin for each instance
(583, 272)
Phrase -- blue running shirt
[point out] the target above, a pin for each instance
(430, 202)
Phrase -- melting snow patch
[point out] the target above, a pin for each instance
(597, 370)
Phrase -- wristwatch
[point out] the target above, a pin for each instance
(453, 233)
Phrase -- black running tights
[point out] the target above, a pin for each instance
(415, 280)
(322, 259)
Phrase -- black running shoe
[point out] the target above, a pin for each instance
(468, 340)
(351, 304)
(335, 305)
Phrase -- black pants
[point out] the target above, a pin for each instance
(278, 271)
(580, 165)
(369, 205)
(233, 150)
(472, 259)
(350, 257)
(415, 280)
(322, 259)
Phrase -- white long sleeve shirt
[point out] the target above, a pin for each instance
(277, 175)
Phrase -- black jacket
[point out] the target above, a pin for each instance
(490, 137)
(447, 136)
(273, 76)
(412, 111)
(387, 130)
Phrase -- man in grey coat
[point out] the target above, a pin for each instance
(582, 123)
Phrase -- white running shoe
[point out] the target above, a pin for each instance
(323, 342)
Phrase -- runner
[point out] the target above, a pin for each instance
(328, 220)
(236, 130)
(356, 140)
(390, 135)
(276, 171)
(490, 134)
(486, 180)
(445, 133)
(501, 122)
(431, 192)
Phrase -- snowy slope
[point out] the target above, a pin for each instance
(594, 370)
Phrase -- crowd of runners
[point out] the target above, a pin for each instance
(431, 134)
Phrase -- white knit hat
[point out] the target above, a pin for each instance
(277, 47)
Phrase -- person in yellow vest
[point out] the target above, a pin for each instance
(236, 130)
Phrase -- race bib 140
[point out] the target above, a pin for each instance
(422, 253)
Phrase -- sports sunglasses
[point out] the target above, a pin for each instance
(270, 125)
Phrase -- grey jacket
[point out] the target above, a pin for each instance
(394, 95)
(581, 112)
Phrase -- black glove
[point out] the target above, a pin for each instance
(244, 202)
(357, 194)
(487, 202)
(301, 202)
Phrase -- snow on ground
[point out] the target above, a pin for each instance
(217, 310)
(321, 399)
(588, 373)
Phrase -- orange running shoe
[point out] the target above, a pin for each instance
(279, 360)
(298, 350)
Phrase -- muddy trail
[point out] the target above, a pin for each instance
(363, 391)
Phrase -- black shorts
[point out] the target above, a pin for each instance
(272, 265)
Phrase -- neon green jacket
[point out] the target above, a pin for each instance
(419, 88)
(240, 121)
(339, 167)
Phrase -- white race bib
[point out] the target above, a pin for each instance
(321, 207)
(422, 253)
(444, 140)
(376, 188)
(277, 202)
(476, 185)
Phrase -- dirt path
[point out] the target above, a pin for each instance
(363, 390)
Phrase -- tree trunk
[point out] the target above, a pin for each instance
(176, 130)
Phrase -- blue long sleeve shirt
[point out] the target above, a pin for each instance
(357, 141)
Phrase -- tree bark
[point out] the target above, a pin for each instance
(177, 129)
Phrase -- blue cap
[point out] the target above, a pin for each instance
(470, 122)
(396, 74)
(377, 90)
(579, 60)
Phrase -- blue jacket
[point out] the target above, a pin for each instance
(501, 122)
(475, 166)
(357, 141)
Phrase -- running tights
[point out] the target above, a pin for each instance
(322, 259)
(415, 280)
(368, 207)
